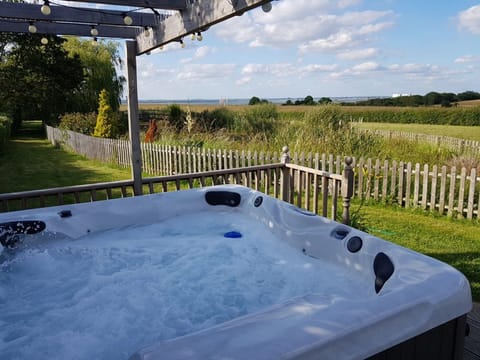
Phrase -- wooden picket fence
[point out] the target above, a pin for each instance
(446, 190)
(461, 146)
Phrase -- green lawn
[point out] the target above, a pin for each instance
(30, 162)
(456, 242)
(33, 163)
(461, 132)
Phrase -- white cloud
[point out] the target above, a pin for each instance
(470, 19)
(148, 70)
(366, 67)
(205, 71)
(200, 53)
(309, 25)
(245, 80)
(283, 70)
(467, 59)
(358, 54)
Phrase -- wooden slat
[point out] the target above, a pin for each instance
(451, 193)
(471, 193)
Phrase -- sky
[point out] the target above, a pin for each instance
(324, 48)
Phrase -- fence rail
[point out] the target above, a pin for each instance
(463, 146)
(450, 191)
(312, 189)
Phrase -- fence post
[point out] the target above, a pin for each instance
(347, 189)
(285, 159)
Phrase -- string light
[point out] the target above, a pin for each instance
(193, 36)
(32, 28)
(199, 36)
(182, 44)
(127, 20)
(44, 41)
(267, 7)
(45, 9)
(94, 31)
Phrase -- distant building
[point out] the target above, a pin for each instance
(398, 95)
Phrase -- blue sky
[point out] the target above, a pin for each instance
(324, 48)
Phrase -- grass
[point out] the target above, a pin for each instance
(453, 241)
(33, 163)
(30, 162)
(462, 132)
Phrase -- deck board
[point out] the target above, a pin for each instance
(472, 342)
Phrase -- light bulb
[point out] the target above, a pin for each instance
(182, 44)
(45, 9)
(199, 37)
(193, 36)
(267, 7)
(44, 41)
(32, 28)
(94, 31)
(127, 20)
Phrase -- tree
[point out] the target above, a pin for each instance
(254, 101)
(325, 100)
(107, 119)
(99, 61)
(37, 80)
(308, 100)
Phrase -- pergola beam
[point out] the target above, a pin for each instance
(157, 4)
(197, 17)
(124, 32)
(31, 12)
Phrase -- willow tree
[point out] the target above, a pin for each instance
(100, 61)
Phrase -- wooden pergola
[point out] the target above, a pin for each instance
(151, 24)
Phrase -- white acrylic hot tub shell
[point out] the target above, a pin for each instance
(421, 294)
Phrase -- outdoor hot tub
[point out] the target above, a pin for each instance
(222, 272)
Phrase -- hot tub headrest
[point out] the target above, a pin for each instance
(228, 198)
(9, 230)
(383, 268)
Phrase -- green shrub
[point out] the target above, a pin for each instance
(107, 119)
(217, 119)
(78, 122)
(175, 116)
(5, 128)
(257, 120)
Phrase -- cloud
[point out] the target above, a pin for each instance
(245, 80)
(283, 70)
(366, 67)
(467, 59)
(205, 71)
(148, 70)
(358, 54)
(311, 26)
(470, 19)
(200, 53)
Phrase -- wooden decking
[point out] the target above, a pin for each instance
(472, 342)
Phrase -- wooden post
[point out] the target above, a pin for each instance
(347, 189)
(285, 159)
(133, 126)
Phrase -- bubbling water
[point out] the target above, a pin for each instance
(106, 295)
